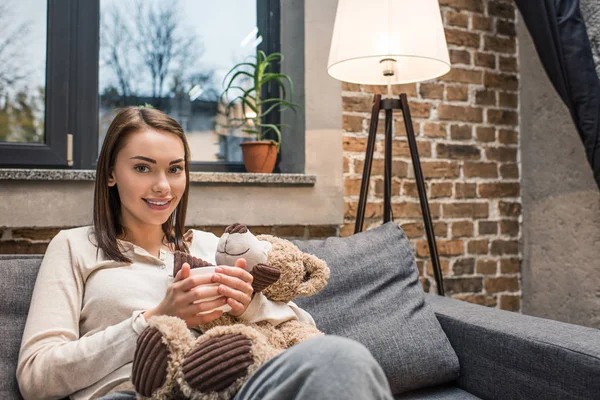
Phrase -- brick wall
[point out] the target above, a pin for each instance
(467, 127)
(35, 240)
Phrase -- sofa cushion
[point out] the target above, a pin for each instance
(17, 278)
(374, 296)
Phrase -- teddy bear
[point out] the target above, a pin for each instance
(170, 363)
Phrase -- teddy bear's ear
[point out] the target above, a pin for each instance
(316, 276)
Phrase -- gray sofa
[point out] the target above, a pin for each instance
(502, 355)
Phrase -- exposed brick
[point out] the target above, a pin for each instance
(419, 110)
(440, 229)
(485, 60)
(481, 299)
(485, 134)
(409, 189)
(413, 210)
(434, 130)
(379, 187)
(375, 89)
(501, 247)
(509, 100)
(462, 38)
(372, 210)
(409, 88)
(414, 229)
(346, 164)
(460, 113)
(463, 76)
(399, 168)
(500, 44)
(35, 233)
(481, 23)
(508, 64)
(509, 228)
(506, 28)
(488, 227)
(508, 137)
(438, 190)
(431, 91)
(459, 57)
(350, 87)
(458, 151)
(501, 284)
(444, 247)
(425, 283)
(499, 189)
(500, 81)
(460, 132)
(457, 93)
(509, 171)
(457, 19)
(480, 170)
(356, 103)
(440, 169)
(465, 210)
(478, 246)
(464, 266)
(502, 117)
(510, 265)
(354, 144)
(347, 229)
(290, 231)
(352, 186)
(401, 148)
(502, 154)
(486, 267)
(444, 266)
(463, 285)
(508, 209)
(462, 228)
(22, 247)
(467, 5)
(510, 302)
(465, 190)
(352, 123)
(322, 231)
(485, 97)
(501, 9)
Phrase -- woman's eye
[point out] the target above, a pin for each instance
(176, 169)
(141, 168)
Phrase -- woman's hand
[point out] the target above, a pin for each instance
(181, 295)
(236, 286)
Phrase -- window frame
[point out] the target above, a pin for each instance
(72, 98)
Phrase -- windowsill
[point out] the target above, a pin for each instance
(213, 178)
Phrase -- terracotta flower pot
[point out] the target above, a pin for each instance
(259, 156)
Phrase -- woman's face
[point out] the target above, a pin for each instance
(149, 173)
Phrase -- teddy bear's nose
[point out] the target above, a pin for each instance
(236, 228)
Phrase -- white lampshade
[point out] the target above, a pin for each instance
(410, 32)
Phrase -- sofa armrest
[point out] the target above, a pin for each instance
(506, 355)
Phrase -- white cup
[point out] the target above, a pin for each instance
(205, 271)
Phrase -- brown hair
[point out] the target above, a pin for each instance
(107, 204)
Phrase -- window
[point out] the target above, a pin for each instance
(94, 56)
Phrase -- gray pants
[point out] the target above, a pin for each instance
(329, 367)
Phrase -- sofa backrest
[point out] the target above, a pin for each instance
(17, 279)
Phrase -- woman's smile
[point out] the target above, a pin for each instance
(158, 204)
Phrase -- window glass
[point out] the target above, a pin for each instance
(174, 56)
(22, 70)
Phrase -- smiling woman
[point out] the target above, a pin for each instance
(142, 176)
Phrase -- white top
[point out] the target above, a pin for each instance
(85, 314)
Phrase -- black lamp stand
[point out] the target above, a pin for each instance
(389, 105)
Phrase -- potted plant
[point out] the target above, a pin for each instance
(246, 81)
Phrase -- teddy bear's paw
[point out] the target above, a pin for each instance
(264, 276)
(150, 362)
(217, 367)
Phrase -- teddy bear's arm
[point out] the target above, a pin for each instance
(264, 276)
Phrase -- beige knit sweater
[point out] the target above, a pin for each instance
(85, 314)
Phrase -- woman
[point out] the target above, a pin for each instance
(98, 285)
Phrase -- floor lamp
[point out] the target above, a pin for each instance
(390, 42)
